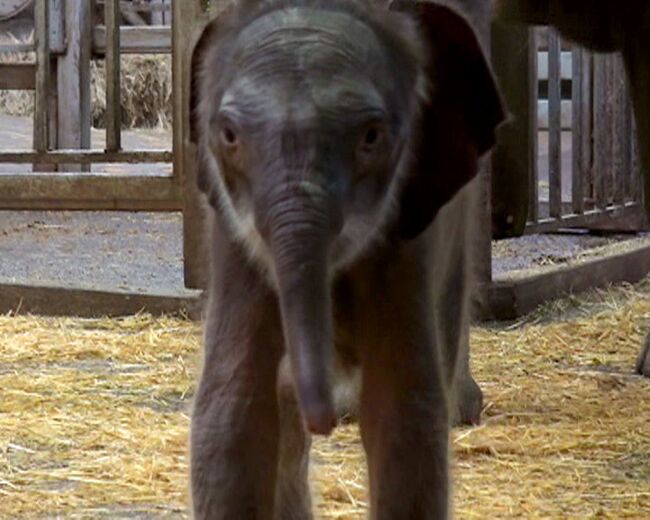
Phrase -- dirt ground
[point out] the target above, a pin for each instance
(143, 251)
(94, 418)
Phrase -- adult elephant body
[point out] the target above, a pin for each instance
(338, 143)
(604, 26)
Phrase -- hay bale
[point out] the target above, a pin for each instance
(146, 83)
(146, 89)
(16, 102)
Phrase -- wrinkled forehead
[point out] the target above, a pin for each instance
(302, 39)
(330, 59)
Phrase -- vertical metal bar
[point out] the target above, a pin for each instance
(554, 125)
(577, 106)
(113, 108)
(187, 18)
(42, 90)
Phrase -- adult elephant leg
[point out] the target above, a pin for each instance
(234, 430)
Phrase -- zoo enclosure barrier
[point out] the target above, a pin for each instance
(603, 188)
(570, 160)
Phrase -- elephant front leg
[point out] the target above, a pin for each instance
(234, 435)
(234, 430)
(292, 495)
(405, 430)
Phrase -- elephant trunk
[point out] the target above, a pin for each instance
(300, 229)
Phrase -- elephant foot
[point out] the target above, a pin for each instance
(469, 403)
(643, 361)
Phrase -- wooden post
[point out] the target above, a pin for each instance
(621, 133)
(554, 125)
(42, 93)
(602, 129)
(113, 107)
(187, 21)
(158, 15)
(74, 104)
(581, 127)
(514, 160)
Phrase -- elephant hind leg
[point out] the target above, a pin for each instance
(468, 403)
(643, 361)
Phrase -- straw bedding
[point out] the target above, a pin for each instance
(94, 418)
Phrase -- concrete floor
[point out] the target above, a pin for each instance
(143, 251)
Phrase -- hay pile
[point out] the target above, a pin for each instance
(16, 102)
(146, 83)
(94, 418)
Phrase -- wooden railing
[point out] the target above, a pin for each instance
(60, 78)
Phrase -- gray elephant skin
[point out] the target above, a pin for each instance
(604, 26)
(338, 144)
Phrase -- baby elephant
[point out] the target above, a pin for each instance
(337, 144)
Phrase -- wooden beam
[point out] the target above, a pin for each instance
(136, 40)
(626, 217)
(17, 76)
(11, 48)
(86, 156)
(89, 303)
(85, 191)
(156, 6)
(510, 299)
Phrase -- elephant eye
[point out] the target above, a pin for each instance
(371, 137)
(228, 136)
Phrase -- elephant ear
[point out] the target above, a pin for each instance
(210, 37)
(459, 119)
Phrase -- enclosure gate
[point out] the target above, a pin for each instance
(65, 146)
(588, 111)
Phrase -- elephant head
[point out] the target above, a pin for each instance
(323, 127)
